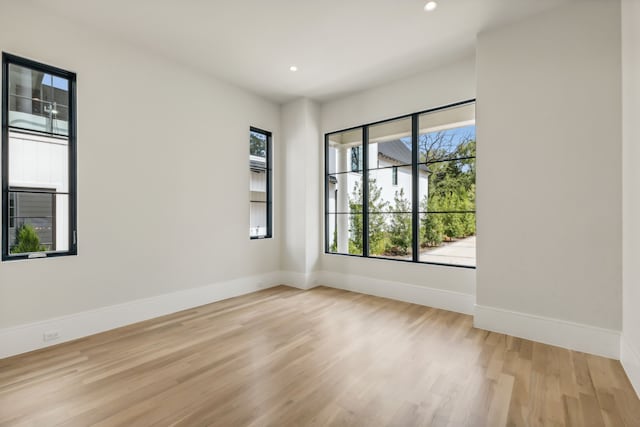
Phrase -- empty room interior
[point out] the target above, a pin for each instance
(330, 213)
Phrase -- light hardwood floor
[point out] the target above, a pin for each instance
(285, 357)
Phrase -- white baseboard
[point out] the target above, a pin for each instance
(299, 280)
(407, 292)
(28, 337)
(630, 359)
(23, 338)
(561, 333)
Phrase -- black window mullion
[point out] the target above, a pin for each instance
(415, 193)
(365, 191)
(453, 159)
(36, 191)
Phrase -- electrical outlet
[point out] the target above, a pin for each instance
(51, 335)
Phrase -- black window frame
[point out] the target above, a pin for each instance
(71, 136)
(415, 164)
(269, 172)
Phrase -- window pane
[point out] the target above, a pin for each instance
(38, 101)
(344, 153)
(258, 148)
(258, 219)
(451, 187)
(345, 233)
(39, 222)
(259, 184)
(448, 238)
(344, 193)
(390, 144)
(40, 161)
(390, 235)
(447, 134)
(384, 196)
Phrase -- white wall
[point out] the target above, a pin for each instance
(444, 85)
(446, 287)
(630, 351)
(301, 210)
(162, 176)
(549, 160)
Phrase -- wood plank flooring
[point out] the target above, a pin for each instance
(285, 357)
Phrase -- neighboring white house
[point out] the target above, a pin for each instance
(392, 172)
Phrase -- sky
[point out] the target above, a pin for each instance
(459, 135)
(57, 82)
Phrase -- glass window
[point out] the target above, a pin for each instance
(344, 151)
(390, 154)
(344, 217)
(447, 148)
(38, 147)
(448, 133)
(38, 100)
(260, 197)
(416, 201)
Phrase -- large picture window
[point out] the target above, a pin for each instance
(260, 187)
(38, 160)
(411, 194)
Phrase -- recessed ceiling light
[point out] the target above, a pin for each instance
(430, 6)
(293, 68)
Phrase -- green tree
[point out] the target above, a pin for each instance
(334, 243)
(431, 224)
(377, 221)
(257, 144)
(469, 204)
(444, 145)
(355, 220)
(399, 228)
(451, 188)
(377, 233)
(27, 240)
(452, 222)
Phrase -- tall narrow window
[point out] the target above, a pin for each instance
(38, 160)
(409, 191)
(260, 186)
(389, 207)
(447, 200)
(344, 181)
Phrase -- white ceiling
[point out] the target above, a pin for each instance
(339, 46)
